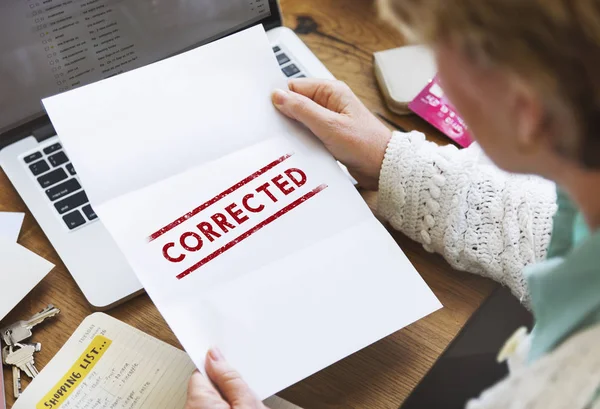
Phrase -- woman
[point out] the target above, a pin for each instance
(524, 75)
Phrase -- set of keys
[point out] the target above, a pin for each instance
(19, 354)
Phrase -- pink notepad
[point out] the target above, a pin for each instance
(433, 106)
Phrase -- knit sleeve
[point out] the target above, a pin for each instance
(457, 203)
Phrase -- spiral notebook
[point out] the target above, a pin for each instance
(109, 364)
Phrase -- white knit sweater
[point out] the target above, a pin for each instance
(485, 221)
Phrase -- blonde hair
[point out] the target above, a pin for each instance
(552, 44)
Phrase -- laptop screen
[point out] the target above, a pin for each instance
(51, 46)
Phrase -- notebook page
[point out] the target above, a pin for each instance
(109, 364)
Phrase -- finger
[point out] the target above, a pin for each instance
(331, 94)
(303, 109)
(229, 381)
(309, 86)
(202, 394)
(317, 89)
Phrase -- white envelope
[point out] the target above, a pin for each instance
(238, 222)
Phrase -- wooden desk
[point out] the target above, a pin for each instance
(344, 34)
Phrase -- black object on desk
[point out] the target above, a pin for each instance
(468, 366)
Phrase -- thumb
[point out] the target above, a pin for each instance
(202, 394)
(303, 109)
(229, 381)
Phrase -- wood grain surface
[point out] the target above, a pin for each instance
(343, 34)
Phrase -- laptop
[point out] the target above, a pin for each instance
(51, 46)
(468, 366)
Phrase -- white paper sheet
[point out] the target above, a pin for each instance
(10, 225)
(20, 271)
(283, 291)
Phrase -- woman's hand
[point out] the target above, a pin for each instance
(347, 128)
(229, 390)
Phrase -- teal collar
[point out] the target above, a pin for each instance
(565, 292)
(580, 229)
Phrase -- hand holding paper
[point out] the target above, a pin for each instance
(245, 232)
(338, 118)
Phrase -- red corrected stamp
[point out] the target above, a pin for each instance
(224, 217)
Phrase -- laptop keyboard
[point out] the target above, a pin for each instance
(57, 177)
(289, 68)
